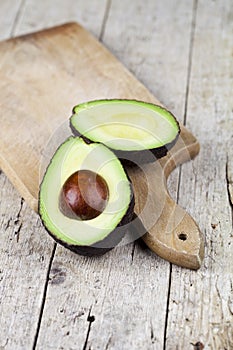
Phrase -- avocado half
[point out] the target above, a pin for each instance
(135, 131)
(100, 234)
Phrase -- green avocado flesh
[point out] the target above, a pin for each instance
(74, 155)
(126, 125)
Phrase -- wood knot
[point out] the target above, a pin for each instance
(57, 275)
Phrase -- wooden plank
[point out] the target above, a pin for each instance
(9, 12)
(150, 44)
(43, 14)
(21, 247)
(25, 248)
(148, 41)
(119, 301)
(21, 286)
(200, 307)
(24, 257)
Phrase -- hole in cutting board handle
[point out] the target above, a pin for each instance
(182, 236)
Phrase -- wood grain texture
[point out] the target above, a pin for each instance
(9, 14)
(170, 232)
(40, 15)
(26, 250)
(200, 307)
(24, 258)
(52, 81)
(152, 43)
(129, 303)
(125, 291)
(78, 79)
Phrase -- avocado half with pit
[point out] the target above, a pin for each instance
(86, 198)
(136, 131)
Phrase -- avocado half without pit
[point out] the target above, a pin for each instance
(86, 198)
(135, 131)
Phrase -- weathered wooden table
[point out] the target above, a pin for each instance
(131, 299)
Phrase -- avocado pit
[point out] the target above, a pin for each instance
(84, 195)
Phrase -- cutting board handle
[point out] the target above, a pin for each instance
(171, 231)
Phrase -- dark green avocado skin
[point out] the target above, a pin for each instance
(131, 158)
(136, 157)
(145, 156)
(108, 243)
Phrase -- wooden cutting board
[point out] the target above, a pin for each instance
(42, 76)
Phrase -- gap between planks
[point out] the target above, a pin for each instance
(229, 184)
(105, 19)
(44, 296)
(17, 17)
